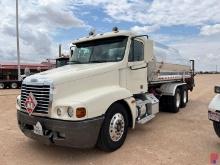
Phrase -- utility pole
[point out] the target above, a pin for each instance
(18, 48)
(60, 51)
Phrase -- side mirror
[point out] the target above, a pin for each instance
(72, 49)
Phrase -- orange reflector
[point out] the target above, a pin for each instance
(80, 112)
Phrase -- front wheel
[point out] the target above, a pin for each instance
(216, 126)
(114, 129)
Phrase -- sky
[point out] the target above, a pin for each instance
(190, 26)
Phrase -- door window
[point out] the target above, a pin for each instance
(136, 51)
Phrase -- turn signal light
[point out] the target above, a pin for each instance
(80, 112)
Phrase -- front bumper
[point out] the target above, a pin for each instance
(77, 134)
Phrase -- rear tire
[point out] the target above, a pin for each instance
(14, 85)
(175, 101)
(2, 85)
(216, 126)
(114, 129)
(184, 97)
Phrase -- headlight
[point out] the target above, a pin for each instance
(70, 111)
(217, 89)
(59, 111)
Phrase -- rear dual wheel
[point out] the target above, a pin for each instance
(175, 101)
(179, 100)
(184, 97)
(14, 85)
(2, 85)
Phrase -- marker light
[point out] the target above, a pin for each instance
(70, 111)
(115, 29)
(80, 112)
(59, 111)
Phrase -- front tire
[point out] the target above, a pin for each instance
(216, 126)
(114, 129)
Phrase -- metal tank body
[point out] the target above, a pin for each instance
(168, 65)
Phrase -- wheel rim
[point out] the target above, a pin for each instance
(184, 96)
(13, 85)
(1, 85)
(117, 127)
(177, 100)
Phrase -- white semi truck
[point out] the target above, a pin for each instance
(114, 81)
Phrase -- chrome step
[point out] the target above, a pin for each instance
(145, 119)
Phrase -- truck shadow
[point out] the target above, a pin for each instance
(54, 151)
(60, 153)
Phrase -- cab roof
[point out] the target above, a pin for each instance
(105, 35)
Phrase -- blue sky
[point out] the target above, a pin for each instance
(191, 26)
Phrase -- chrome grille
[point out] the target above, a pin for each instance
(41, 94)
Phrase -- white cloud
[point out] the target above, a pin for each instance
(38, 23)
(178, 12)
(205, 51)
(53, 18)
(126, 11)
(159, 12)
(89, 2)
(210, 29)
(144, 29)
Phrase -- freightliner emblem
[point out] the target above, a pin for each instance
(30, 103)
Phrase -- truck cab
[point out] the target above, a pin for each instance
(111, 84)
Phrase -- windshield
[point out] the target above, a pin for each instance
(97, 51)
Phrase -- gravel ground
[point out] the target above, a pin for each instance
(184, 138)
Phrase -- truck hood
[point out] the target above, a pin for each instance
(73, 72)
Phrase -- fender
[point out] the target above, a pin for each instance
(132, 106)
(215, 103)
(97, 101)
(170, 88)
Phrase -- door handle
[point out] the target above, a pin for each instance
(138, 67)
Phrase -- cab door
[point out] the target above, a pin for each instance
(137, 68)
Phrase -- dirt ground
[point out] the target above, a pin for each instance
(184, 138)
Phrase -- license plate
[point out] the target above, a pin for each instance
(214, 116)
(38, 129)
